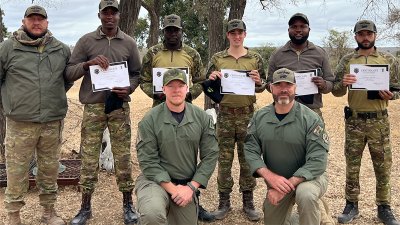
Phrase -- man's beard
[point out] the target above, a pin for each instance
(34, 37)
(298, 41)
(362, 46)
(283, 101)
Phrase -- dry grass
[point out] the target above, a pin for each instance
(107, 207)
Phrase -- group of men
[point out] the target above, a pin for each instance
(178, 145)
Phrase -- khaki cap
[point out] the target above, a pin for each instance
(174, 74)
(35, 9)
(236, 24)
(283, 75)
(365, 25)
(108, 3)
(172, 21)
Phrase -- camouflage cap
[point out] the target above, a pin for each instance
(108, 3)
(35, 9)
(172, 21)
(236, 24)
(298, 16)
(365, 25)
(174, 74)
(283, 75)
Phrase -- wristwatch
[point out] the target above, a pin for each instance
(194, 189)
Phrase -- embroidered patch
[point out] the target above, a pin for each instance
(325, 137)
(317, 130)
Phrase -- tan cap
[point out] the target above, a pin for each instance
(108, 3)
(365, 25)
(35, 9)
(298, 16)
(172, 21)
(236, 24)
(174, 74)
(283, 75)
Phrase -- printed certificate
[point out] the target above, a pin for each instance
(237, 82)
(370, 77)
(116, 75)
(303, 82)
(158, 74)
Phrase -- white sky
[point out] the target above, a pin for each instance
(70, 19)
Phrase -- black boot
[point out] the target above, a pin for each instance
(85, 212)
(224, 206)
(204, 215)
(386, 216)
(248, 206)
(350, 212)
(130, 214)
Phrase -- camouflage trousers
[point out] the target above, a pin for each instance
(24, 140)
(232, 128)
(374, 132)
(93, 124)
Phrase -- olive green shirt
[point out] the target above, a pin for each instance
(358, 100)
(169, 150)
(295, 146)
(250, 61)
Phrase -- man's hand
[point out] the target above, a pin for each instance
(386, 95)
(256, 77)
(214, 75)
(184, 195)
(319, 81)
(280, 183)
(100, 60)
(349, 79)
(122, 92)
(274, 196)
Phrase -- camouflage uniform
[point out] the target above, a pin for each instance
(93, 124)
(368, 124)
(234, 115)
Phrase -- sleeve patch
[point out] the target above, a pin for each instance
(317, 130)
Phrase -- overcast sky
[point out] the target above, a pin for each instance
(70, 19)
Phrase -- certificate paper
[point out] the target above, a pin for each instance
(115, 76)
(304, 84)
(237, 82)
(158, 74)
(370, 77)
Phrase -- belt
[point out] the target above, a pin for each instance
(237, 110)
(371, 115)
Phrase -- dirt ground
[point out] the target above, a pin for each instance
(107, 200)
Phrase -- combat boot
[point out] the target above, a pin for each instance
(224, 206)
(386, 216)
(248, 206)
(130, 214)
(50, 217)
(85, 212)
(204, 215)
(14, 218)
(350, 212)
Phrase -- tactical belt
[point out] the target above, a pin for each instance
(180, 181)
(237, 110)
(370, 115)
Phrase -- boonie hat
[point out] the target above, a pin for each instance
(365, 25)
(236, 24)
(174, 74)
(298, 16)
(172, 21)
(283, 75)
(35, 9)
(108, 3)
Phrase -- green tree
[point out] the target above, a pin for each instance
(141, 32)
(265, 52)
(338, 45)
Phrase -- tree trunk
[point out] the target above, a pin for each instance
(215, 35)
(1, 26)
(129, 13)
(154, 9)
(236, 12)
(2, 132)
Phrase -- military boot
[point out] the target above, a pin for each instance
(14, 218)
(248, 206)
(224, 206)
(85, 212)
(50, 217)
(350, 212)
(130, 214)
(386, 216)
(204, 215)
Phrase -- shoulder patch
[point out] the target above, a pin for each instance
(317, 130)
(325, 137)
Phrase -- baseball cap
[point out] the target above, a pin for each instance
(283, 75)
(174, 74)
(172, 21)
(365, 25)
(35, 9)
(298, 16)
(236, 24)
(108, 3)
